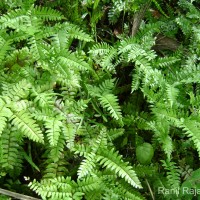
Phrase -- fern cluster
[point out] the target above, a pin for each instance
(74, 107)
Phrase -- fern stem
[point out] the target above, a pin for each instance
(151, 192)
(16, 195)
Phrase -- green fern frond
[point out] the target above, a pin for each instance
(114, 12)
(35, 48)
(60, 41)
(55, 169)
(70, 134)
(58, 188)
(125, 191)
(13, 19)
(47, 14)
(173, 174)
(75, 32)
(107, 100)
(172, 94)
(135, 81)
(24, 122)
(11, 157)
(82, 150)
(21, 105)
(191, 127)
(166, 114)
(115, 133)
(5, 114)
(53, 127)
(107, 86)
(87, 165)
(144, 170)
(71, 60)
(43, 95)
(100, 141)
(161, 130)
(88, 184)
(16, 91)
(79, 106)
(56, 152)
(108, 59)
(166, 61)
(100, 49)
(110, 103)
(127, 45)
(111, 160)
(5, 46)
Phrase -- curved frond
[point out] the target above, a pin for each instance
(111, 160)
(24, 122)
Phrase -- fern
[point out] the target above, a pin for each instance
(108, 100)
(173, 174)
(46, 13)
(112, 161)
(10, 148)
(53, 127)
(24, 122)
(73, 109)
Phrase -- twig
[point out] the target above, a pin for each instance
(150, 189)
(17, 195)
(138, 18)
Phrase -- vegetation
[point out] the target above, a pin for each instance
(100, 99)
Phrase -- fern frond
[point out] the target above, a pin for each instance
(173, 174)
(16, 90)
(11, 157)
(115, 133)
(127, 45)
(70, 134)
(71, 60)
(107, 86)
(13, 19)
(100, 49)
(43, 95)
(57, 188)
(161, 130)
(191, 127)
(87, 165)
(56, 152)
(55, 169)
(75, 32)
(144, 170)
(159, 7)
(110, 103)
(112, 161)
(135, 81)
(88, 184)
(24, 122)
(5, 113)
(5, 46)
(114, 12)
(53, 127)
(82, 150)
(100, 141)
(172, 94)
(166, 61)
(46, 13)
(60, 41)
(107, 61)
(36, 48)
